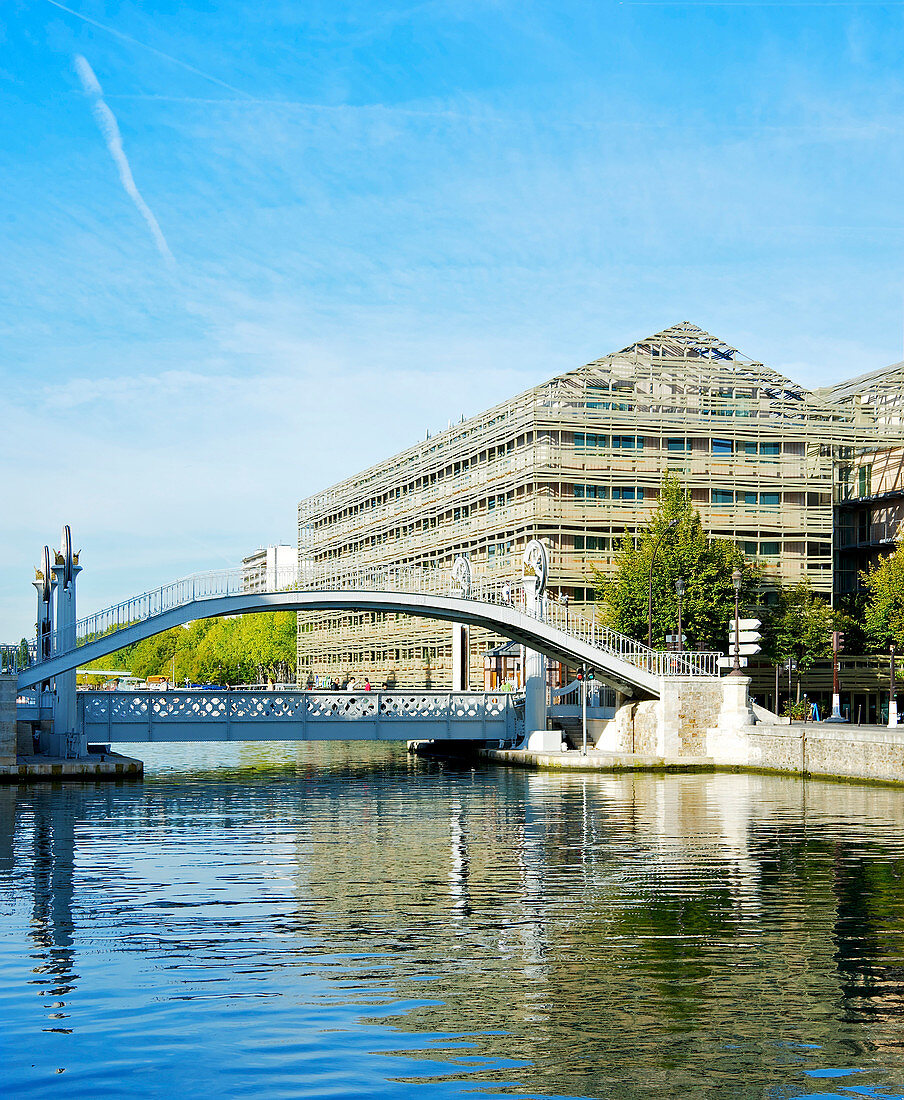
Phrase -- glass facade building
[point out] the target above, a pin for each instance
(577, 462)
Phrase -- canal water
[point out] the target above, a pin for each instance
(348, 921)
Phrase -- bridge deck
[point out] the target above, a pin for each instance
(297, 716)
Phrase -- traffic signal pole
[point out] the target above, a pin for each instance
(837, 647)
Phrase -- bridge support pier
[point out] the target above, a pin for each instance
(729, 741)
(8, 718)
(461, 653)
(66, 740)
(535, 702)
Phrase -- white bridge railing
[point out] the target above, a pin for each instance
(10, 658)
(402, 579)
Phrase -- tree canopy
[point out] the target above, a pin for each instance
(799, 626)
(884, 611)
(684, 550)
(241, 650)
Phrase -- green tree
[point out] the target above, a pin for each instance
(799, 626)
(243, 650)
(884, 611)
(706, 565)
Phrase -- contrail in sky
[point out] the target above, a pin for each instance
(145, 46)
(106, 121)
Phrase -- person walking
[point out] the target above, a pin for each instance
(367, 686)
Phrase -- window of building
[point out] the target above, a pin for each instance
(864, 478)
(590, 542)
(591, 492)
(748, 498)
(770, 500)
(590, 439)
(723, 447)
(627, 442)
(626, 493)
(678, 445)
(722, 496)
(771, 449)
(750, 548)
(770, 549)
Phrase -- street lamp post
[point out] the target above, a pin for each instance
(736, 578)
(679, 590)
(674, 523)
(791, 667)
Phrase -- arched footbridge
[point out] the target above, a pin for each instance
(497, 605)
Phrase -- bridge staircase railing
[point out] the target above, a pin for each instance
(200, 587)
(15, 657)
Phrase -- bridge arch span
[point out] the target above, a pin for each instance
(629, 678)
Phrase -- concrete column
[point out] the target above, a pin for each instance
(728, 742)
(538, 737)
(65, 718)
(461, 652)
(8, 724)
(535, 695)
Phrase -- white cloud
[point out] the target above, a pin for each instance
(109, 127)
(164, 474)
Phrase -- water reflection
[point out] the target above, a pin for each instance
(291, 921)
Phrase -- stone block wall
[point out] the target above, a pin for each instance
(675, 725)
(689, 708)
(8, 723)
(617, 733)
(852, 752)
(647, 722)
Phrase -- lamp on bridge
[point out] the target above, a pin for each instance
(736, 578)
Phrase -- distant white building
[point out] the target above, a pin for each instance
(270, 568)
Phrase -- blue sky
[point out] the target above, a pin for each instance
(250, 248)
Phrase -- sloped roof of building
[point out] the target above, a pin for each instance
(688, 341)
(685, 358)
(888, 382)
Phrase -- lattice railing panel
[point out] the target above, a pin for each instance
(130, 708)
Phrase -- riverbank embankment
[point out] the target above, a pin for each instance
(821, 750)
(40, 769)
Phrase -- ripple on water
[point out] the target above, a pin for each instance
(348, 921)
